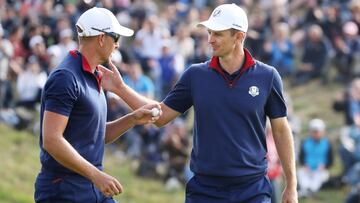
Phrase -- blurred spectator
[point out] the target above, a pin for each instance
(66, 42)
(63, 23)
(332, 23)
(349, 148)
(315, 57)
(15, 36)
(183, 44)
(349, 153)
(257, 34)
(71, 11)
(38, 49)
(355, 13)
(276, 10)
(151, 157)
(353, 178)
(202, 52)
(6, 53)
(315, 159)
(148, 43)
(175, 144)
(30, 83)
(167, 63)
(54, 54)
(48, 20)
(347, 50)
(314, 13)
(281, 50)
(348, 101)
(354, 103)
(138, 81)
(32, 31)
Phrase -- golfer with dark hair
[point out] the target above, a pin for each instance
(232, 94)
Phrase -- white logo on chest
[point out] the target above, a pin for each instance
(254, 91)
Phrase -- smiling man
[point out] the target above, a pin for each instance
(73, 118)
(232, 94)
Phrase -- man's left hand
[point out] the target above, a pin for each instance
(290, 195)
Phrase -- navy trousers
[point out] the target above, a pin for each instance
(217, 190)
(67, 189)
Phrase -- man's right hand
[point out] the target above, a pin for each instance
(111, 78)
(143, 115)
(107, 184)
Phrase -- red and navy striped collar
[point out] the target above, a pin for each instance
(249, 62)
(86, 67)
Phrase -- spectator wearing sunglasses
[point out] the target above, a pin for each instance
(73, 117)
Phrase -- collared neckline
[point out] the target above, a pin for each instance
(248, 63)
(86, 67)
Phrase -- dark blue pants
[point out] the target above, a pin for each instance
(67, 189)
(200, 190)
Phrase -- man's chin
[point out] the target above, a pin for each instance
(214, 53)
(217, 54)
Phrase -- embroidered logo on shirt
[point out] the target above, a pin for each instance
(254, 91)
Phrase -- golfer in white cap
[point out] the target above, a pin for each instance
(232, 94)
(73, 118)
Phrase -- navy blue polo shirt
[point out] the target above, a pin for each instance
(73, 90)
(230, 115)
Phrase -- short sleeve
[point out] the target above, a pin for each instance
(60, 93)
(275, 105)
(179, 98)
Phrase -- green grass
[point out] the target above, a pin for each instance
(137, 189)
(20, 163)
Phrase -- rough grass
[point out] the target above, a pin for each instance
(20, 163)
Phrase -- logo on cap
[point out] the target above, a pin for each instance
(216, 13)
(236, 25)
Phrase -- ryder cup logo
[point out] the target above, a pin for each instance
(254, 91)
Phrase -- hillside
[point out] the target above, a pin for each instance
(20, 163)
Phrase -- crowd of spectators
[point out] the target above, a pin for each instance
(304, 39)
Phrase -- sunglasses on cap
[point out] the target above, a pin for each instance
(113, 35)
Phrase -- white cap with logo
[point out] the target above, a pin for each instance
(227, 16)
(102, 19)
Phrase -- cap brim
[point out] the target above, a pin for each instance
(213, 25)
(124, 31)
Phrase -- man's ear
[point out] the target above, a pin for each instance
(101, 40)
(240, 36)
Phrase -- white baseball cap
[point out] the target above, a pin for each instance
(95, 19)
(37, 39)
(316, 125)
(227, 16)
(66, 33)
